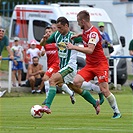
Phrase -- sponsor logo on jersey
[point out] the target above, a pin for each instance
(61, 46)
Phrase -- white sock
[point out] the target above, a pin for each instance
(112, 101)
(47, 87)
(66, 89)
(90, 86)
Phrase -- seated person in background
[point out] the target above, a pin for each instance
(35, 73)
(31, 52)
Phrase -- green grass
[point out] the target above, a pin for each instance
(65, 118)
(130, 77)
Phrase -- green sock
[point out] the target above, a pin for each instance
(88, 97)
(51, 95)
(101, 98)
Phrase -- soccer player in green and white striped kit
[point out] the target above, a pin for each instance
(68, 65)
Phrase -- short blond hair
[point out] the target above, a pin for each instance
(84, 15)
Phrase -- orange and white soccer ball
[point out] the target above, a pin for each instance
(35, 111)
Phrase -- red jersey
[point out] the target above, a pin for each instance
(92, 36)
(52, 54)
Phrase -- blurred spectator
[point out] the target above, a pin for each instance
(131, 53)
(31, 52)
(106, 41)
(17, 64)
(4, 42)
(54, 27)
(35, 73)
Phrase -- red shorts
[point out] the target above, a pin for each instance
(52, 69)
(101, 71)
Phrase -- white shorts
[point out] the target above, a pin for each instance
(68, 74)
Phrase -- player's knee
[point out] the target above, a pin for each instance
(105, 91)
(45, 78)
(52, 82)
(77, 83)
(60, 85)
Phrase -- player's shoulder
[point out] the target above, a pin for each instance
(94, 29)
(71, 33)
(56, 34)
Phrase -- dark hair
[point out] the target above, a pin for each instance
(48, 27)
(84, 15)
(53, 21)
(34, 57)
(63, 21)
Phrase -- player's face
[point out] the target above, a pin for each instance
(48, 31)
(63, 29)
(2, 33)
(80, 22)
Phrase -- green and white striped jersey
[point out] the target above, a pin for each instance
(67, 57)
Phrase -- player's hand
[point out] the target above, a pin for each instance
(74, 36)
(11, 57)
(70, 46)
(45, 37)
(0, 57)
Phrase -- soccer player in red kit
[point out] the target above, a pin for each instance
(96, 62)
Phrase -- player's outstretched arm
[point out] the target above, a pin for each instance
(44, 39)
(76, 36)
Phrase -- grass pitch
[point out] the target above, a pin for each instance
(65, 118)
